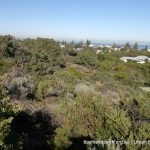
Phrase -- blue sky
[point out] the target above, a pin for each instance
(98, 20)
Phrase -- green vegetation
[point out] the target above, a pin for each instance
(56, 98)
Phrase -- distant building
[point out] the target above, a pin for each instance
(138, 59)
(62, 46)
(91, 45)
(116, 49)
(101, 46)
(78, 49)
(108, 46)
(98, 51)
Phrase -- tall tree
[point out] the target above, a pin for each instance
(127, 45)
(146, 48)
(135, 46)
(88, 42)
(72, 43)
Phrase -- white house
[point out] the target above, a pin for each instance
(108, 46)
(91, 45)
(138, 59)
(78, 49)
(62, 46)
(98, 51)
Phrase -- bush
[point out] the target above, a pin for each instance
(66, 76)
(90, 116)
(21, 87)
(48, 87)
(7, 110)
(87, 58)
(120, 68)
(105, 65)
(72, 53)
(75, 72)
(101, 57)
(5, 64)
(121, 75)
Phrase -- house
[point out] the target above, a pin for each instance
(108, 46)
(138, 59)
(78, 49)
(91, 45)
(62, 46)
(101, 46)
(98, 51)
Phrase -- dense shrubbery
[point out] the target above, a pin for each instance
(6, 113)
(22, 87)
(49, 87)
(93, 96)
(92, 117)
(87, 58)
(121, 75)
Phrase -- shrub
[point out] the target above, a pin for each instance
(5, 64)
(21, 87)
(105, 65)
(7, 110)
(48, 87)
(75, 72)
(90, 116)
(87, 58)
(72, 53)
(121, 75)
(101, 57)
(84, 88)
(66, 76)
(119, 68)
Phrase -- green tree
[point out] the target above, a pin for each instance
(127, 45)
(135, 46)
(88, 42)
(146, 48)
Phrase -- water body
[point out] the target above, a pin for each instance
(121, 45)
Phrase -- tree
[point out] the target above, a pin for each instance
(72, 43)
(135, 46)
(64, 42)
(88, 42)
(127, 45)
(81, 43)
(146, 48)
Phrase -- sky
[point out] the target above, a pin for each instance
(97, 20)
